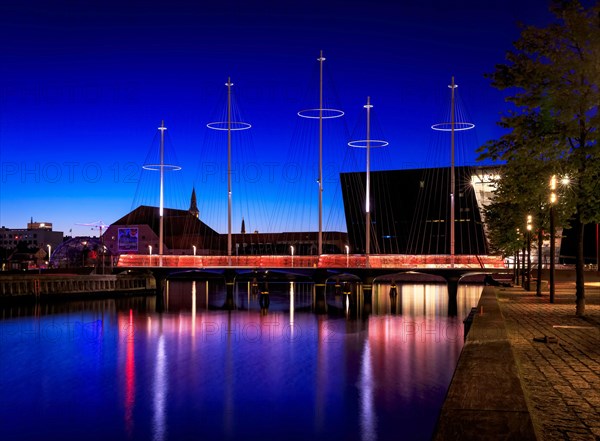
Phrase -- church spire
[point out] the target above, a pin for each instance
(243, 226)
(193, 205)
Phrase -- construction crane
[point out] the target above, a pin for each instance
(100, 226)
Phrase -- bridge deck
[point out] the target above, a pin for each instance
(384, 261)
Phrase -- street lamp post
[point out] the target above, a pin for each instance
(538, 282)
(194, 248)
(292, 252)
(523, 264)
(150, 255)
(347, 255)
(83, 252)
(553, 199)
(517, 261)
(49, 253)
(529, 227)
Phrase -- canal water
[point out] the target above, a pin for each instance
(200, 365)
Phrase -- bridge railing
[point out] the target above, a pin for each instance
(324, 261)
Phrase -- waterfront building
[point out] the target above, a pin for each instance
(409, 215)
(138, 233)
(410, 210)
(185, 234)
(36, 235)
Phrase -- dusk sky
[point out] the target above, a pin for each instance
(86, 84)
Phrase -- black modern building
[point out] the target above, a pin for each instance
(410, 211)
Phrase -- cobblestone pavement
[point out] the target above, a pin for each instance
(561, 380)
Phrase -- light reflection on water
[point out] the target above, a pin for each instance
(117, 369)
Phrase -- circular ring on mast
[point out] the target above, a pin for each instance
(326, 113)
(224, 125)
(373, 143)
(458, 126)
(157, 167)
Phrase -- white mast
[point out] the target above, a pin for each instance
(321, 59)
(367, 144)
(229, 84)
(162, 129)
(368, 106)
(230, 125)
(320, 114)
(452, 178)
(161, 167)
(452, 127)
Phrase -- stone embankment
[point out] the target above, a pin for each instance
(27, 285)
(485, 399)
(529, 369)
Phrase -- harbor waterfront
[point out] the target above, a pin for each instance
(194, 246)
(184, 364)
(57, 284)
(529, 368)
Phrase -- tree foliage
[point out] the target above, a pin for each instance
(553, 75)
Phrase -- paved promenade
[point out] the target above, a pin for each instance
(529, 369)
(561, 381)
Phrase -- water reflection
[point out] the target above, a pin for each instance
(368, 419)
(129, 375)
(371, 364)
(160, 390)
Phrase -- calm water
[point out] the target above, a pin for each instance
(119, 370)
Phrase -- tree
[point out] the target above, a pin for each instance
(554, 75)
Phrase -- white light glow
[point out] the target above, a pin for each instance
(159, 392)
(158, 167)
(373, 143)
(458, 126)
(368, 418)
(225, 126)
(324, 113)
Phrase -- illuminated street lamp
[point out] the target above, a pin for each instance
(529, 227)
(347, 255)
(83, 252)
(292, 253)
(49, 252)
(517, 261)
(194, 248)
(150, 255)
(553, 199)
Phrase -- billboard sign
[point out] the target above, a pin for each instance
(128, 239)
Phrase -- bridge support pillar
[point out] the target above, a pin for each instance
(452, 282)
(161, 281)
(319, 295)
(394, 299)
(229, 285)
(367, 287)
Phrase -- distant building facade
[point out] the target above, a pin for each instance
(185, 234)
(36, 235)
(410, 210)
(138, 232)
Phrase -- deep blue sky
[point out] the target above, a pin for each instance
(85, 85)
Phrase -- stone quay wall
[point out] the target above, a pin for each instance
(15, 285)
